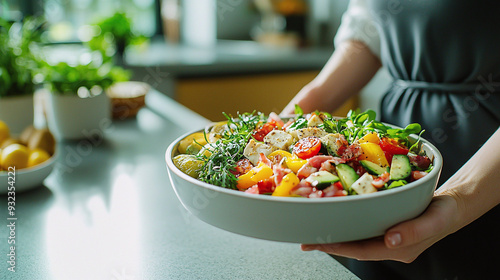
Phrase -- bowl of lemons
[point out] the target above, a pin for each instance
(25, 160)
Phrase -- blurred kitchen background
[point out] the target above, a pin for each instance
(212, 56)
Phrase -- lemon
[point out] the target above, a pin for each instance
(14, 155)
(37, 156)
(4, 131)
(9, 141)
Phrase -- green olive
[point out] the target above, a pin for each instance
(188, 164)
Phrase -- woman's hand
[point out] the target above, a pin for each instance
(404, 242)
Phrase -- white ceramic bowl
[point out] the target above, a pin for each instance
(26, 178)
(304, 220)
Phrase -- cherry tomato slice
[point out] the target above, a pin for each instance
(307, 147)
(260, 133)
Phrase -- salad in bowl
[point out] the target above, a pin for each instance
(311, 155)
(312, 178)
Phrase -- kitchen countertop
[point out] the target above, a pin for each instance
(107, 211)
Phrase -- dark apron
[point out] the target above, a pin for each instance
(444, 56)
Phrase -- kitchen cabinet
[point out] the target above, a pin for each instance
(266, 93)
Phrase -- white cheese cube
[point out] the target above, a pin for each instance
(364, 184)
(314, 120)
(330, 142)
(279, 139)
(253, 149)
(306, 132)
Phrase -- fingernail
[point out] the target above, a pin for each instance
(308, 247)
(394, 239)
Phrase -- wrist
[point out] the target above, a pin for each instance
(453, 211)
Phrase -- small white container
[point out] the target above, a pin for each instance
(199, 23)
(71, 117)
(17, 112)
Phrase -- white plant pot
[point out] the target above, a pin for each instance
(17, 112)
(71, 117)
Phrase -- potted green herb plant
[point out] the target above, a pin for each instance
(114, 34)
(77, 104)
(17, 65)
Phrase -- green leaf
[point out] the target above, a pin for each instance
(298, 124)
(298, 110)
(413, 128)
(396, 184)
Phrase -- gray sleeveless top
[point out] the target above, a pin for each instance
(444, 56)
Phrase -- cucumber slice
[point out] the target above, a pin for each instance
(347, 175)
(400, 167)
(321, 179)
(372, 167)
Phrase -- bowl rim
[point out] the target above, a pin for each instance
(437, 162)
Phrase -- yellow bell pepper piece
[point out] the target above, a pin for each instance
(252, 177)
(281, 153)
(295, 163)
(262, 172)
(372, 152)
(371, 137)
(287, 184)
(292, 161)
(245, 181)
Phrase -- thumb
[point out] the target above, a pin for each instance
(430, 226)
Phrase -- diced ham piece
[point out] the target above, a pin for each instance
(265, 160)
(253, 190)
(279, 172)
(352, 152)
(316, 161)
(415, 175)
(330, 191)
(305, 171)
(341, 141)
(328, 166)
(380, 181)
(334, 190)
(316, 194)
(303, 189)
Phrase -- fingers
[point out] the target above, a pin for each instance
(372, 249)
(430, 226)
(404, 242)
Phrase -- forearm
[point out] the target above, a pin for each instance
(476, 186)
(350, 68)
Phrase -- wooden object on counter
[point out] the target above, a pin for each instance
(127, 98)
(267, 93)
